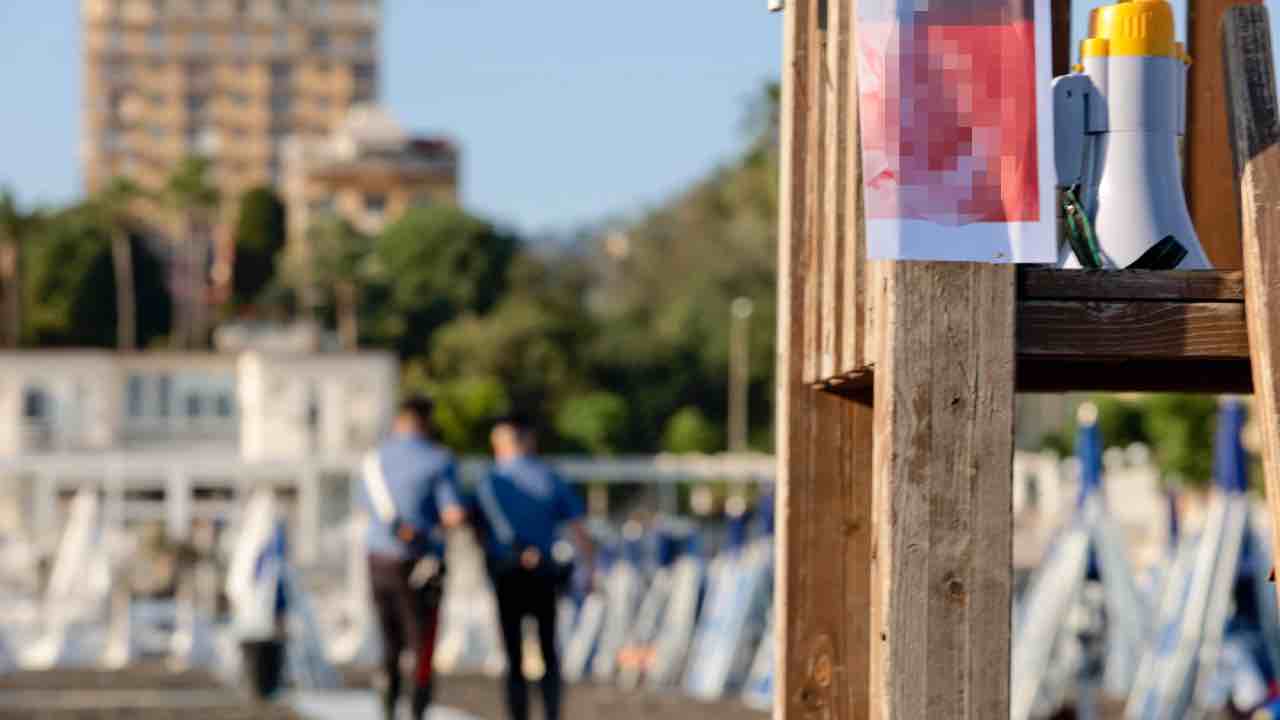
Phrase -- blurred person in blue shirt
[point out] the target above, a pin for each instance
(519, 509)
(410, 494)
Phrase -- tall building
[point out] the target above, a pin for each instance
(226, 79)
(369, 171)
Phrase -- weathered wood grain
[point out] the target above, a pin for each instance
(1255, 139)
(1211, 193)
(1149, 330)
(823, 445)
(941, 567)
(811, 98)
(1138, 285)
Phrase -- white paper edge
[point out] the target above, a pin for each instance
(1017, 242)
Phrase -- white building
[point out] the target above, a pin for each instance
(257, 405)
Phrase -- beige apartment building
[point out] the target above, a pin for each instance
(227, 79)
(369, 171)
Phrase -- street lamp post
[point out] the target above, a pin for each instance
(739, 372)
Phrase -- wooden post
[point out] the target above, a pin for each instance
(942, 561)
(1251, 88)
(823, 440)
(1208, 151)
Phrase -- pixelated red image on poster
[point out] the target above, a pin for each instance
(948, 106)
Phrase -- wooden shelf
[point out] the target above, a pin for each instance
(1132, 331)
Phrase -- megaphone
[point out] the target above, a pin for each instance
(1118, 117)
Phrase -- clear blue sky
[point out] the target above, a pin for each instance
(567, 111)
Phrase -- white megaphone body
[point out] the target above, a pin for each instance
(1118, 117)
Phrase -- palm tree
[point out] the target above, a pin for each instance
(13, 226)
(112, 205)
(341, 259)
(195, 200)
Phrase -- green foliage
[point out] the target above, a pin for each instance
(188, 188)
(70, 284)
(260, 235)
(1177, 427)
(439, 262)
(689, 431)
(465, 407)
(593, 422)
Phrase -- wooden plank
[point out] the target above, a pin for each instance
(811, 93)
(1060, 11)
(824, 441)
(1255, 136)
(1146, 330)
(941, 564)
(835, 86)
(1038, 373)
(1177, 285)
(853, 350)
(1211, 193)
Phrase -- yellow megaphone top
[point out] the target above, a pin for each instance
(1133, 28)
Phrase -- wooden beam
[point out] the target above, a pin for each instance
(1211, 194)
(942, 561)
(1041, 374)
(1135, 285)
(824, 534)
(1140, 330)
(1255, 139)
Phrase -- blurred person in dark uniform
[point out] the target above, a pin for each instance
(519, 508)
(410, 492)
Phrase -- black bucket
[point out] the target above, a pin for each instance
(263, 666)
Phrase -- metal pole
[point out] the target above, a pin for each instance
(739, 372)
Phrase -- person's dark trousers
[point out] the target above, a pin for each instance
(408, 619)
(522, 594)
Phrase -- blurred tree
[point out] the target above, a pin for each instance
(70, 284)
(529, 341)
(194, 199)
(112, 205)
(689, 431)
(595, 422)
(259, 237)
(465, 406)
(341, 262)
(1177, 427)
(15, 226)
(440, 262)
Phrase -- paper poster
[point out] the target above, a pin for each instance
(957, 130)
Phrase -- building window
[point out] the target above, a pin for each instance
(282, 8)
(159, 7)
(280, 42)
(238, 99)
(164, 395)
(375, 203)
(194, 406)
(200, 41)
(364, 42)
(196, 104)
(364, 72)
(35, 405)
(200, 7)
(320, 41)
(242, 7)
(135, 406)
(320, 207)
(281, 72)
(156, 132)
(156, 39)
(320, 8)
(240, 41)
(115, 39)
(224, 406)
(281, 102)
